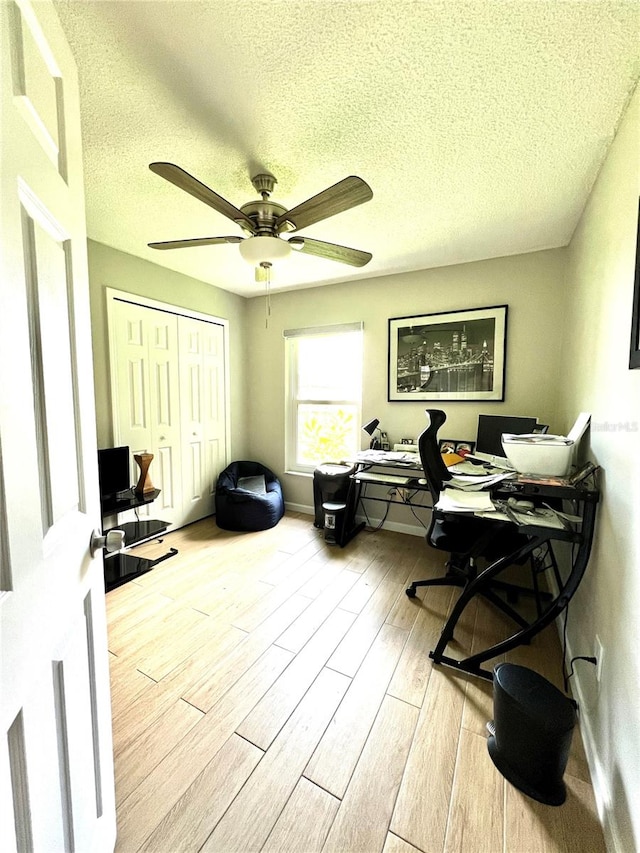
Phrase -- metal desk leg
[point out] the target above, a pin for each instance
(472, 664)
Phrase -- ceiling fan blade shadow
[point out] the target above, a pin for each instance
(184, 181)
(331, 251)
(342, 196)
(196, 241)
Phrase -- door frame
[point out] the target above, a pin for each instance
(113, 295)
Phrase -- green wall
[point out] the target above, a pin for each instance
(111, 268)
(594, 376)
(567, 351)
(531, 285)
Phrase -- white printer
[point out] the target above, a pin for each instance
(545, 454)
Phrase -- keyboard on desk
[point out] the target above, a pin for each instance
(386, 479)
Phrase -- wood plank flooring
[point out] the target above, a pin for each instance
(274, 693)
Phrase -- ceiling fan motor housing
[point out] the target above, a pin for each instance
(264, 214)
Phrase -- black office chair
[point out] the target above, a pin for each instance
(468, 538)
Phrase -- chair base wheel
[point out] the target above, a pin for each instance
(411, 592)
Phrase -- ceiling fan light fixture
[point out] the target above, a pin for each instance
(257, 250)
(410, 337)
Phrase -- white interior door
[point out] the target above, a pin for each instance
(56, 770)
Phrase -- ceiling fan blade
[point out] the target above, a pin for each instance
(196, 241)
(184, 181)
(344, 195)
(331, 251)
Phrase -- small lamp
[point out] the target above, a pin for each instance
(370, 429)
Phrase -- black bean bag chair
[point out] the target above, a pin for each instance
(248, 497)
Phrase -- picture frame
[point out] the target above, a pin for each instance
(464, 447)
(450, 355)
(452, 445)
(634, 351)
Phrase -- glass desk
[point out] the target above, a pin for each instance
(584, 498)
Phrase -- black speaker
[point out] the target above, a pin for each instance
(531, 732)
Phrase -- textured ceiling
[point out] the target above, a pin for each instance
(480, 126)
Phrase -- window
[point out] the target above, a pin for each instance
(324, 388)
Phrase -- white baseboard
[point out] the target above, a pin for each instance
(396, 526)
(303, 508)
(601, 787)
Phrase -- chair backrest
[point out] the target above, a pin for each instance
(434, 468)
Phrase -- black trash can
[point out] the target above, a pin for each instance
(531, 732)
(334, 522)
(332, 485)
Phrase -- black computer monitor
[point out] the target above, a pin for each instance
(491, 427)
(113, 469)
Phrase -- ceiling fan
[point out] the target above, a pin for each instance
(264, 221)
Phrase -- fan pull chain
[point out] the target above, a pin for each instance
(266, 266)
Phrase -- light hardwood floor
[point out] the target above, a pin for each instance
(274, 693)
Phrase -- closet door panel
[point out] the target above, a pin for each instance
(214, 400)
(192, 383)
(146, 401)
(130, 385)
(164, 409)
(132, 372)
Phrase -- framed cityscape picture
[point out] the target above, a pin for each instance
(634, 353)
(452, 355)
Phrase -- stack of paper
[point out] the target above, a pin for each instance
(537, 438)
(536, 517)
(457, 500)
(473, 482)
(495, 461)
(480, 504)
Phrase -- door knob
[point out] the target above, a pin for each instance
(113, 540)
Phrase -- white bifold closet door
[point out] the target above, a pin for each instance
(168, 389)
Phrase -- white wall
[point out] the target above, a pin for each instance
(594, 376)
(111, 268)
(531, 285)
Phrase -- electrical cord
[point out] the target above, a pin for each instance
(406, 499)
(589, 659)
(369, 528)
(382, 520)
(567, 675)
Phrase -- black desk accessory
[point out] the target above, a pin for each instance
(491, 428)
(120, 566)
